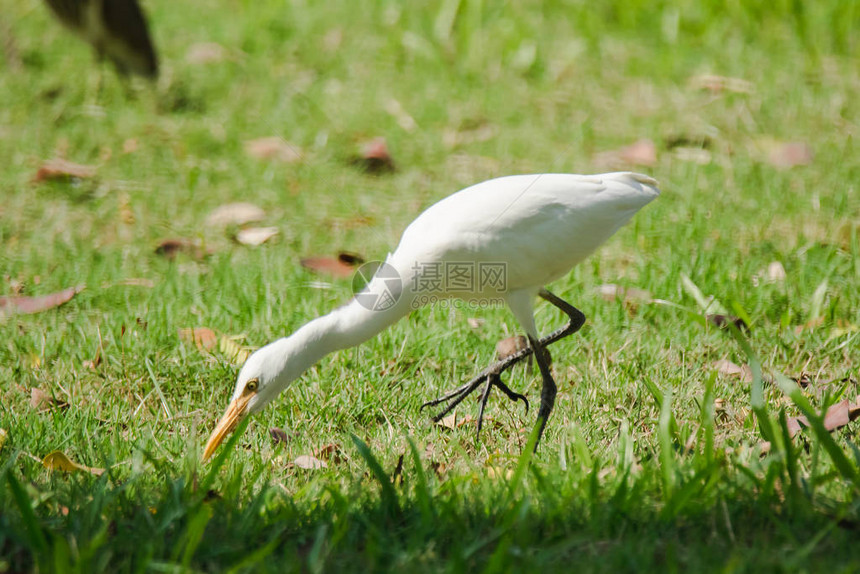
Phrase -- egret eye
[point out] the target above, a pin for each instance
(252, 385)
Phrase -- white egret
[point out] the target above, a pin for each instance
(498, 241)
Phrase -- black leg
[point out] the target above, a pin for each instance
(547, 391)
(491, 376)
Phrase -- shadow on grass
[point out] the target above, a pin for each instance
(555, 522)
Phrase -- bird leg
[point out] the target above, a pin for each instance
(491, 376)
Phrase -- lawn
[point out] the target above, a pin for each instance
(673, 444)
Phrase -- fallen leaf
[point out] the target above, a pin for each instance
(809, 325)
(449, 422)
(3, 436)
(203, 338)
(795, 425)
(331, 452)
(775, 271)
(717, 84)
(475, 322)
(273, 148)
(341, 267)
(730, 369)
(786, 155)
(57, 460)
(205, 53)
(240, 213)
(841, 414)
(41, 401)
(836, 417)
(374, 157)
(58, 168)
(497, 472)
(309, 462)
(279, 436)
(511, 346)
(25, 305)
(468, 419)
(237, 353)
(642, 152)
(170, 248)
(256, 235)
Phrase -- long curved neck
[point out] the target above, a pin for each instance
(345, 327)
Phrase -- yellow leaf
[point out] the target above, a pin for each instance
(237, 353)
(57, 460)
(3, 436)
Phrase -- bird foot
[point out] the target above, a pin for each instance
(491, 377)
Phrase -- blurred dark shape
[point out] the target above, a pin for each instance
(115, 28)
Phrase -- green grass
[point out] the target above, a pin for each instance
(639, 470)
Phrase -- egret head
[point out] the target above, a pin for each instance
(261, 378)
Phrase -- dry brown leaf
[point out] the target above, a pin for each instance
(256, 235)
(170, 248)
(374, 157)
(730, 369)
(279, 436)
(41, 401)
(130, 146)
(717, 84)
(809, 325)
(205, 53)
(497, 472)
(25, 305)
(836, 417)
(475, 322)
(449, 422)
(239, 213)
(785, 155)
(469, 419)
(775, 272)
(274, 148)
(330, 452)
(642, 153)
(58, 168)
(510, 346)
(231, 349)
(57, 460)
(203, 338)
(309, 462)
(341, 267)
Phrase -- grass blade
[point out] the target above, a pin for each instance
(389, 496)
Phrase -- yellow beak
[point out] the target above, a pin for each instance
(234, 413)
